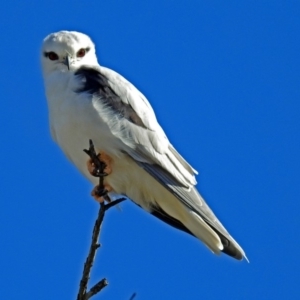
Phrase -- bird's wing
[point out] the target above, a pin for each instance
(148, 144)
(135, 122)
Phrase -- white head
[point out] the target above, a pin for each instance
(66, 51)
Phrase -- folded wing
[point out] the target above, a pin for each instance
(148, 145)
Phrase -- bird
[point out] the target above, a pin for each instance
(87, 101)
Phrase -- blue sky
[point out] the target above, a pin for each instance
(223, 79)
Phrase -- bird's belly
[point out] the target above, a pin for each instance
(74, 124)
(127, 177)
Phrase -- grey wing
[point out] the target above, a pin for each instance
(133, 121)
(149, 145)
(150, 142)
(194, 201)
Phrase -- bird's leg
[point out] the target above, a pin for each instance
(100, 193)
(99, 165)
(104, 164)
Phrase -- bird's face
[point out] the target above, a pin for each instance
(66, 51)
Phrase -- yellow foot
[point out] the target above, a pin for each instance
(103, 158)
(101, 198)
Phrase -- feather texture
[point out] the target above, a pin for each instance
(87, 101)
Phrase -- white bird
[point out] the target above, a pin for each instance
(88, 101)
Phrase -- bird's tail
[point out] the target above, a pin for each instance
(212, 238)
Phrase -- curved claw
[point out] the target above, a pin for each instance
(94, 171)
(100, 194)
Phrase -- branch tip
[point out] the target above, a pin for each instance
(82, 294)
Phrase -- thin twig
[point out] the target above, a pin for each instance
(91, 256)
(96, 288)
(132, 296)
(99, 172)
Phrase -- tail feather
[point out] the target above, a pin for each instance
(214, 240)
(204, 232)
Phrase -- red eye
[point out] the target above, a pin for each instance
(52, 56)
(81, 53)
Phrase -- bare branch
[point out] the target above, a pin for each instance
(99, 172)
(91, 256)
(96, 288)
(132, 296)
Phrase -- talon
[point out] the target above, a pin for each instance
(107, 161)
(91, 167)
(100, 195)
(94, 171)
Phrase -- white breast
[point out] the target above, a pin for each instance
(74, 120)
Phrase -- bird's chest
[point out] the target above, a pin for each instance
(73, 121)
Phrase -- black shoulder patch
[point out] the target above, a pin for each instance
(92, 80)
(95, 83)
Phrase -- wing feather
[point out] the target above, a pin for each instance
(150, 148)
(137, 118)
(194, 201)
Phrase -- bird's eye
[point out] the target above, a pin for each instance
(52, 55)
(81, 53)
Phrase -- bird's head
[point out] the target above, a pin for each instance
(66, 51)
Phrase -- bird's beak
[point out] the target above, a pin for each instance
(67, 61)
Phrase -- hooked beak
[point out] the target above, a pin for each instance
(67, 61)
